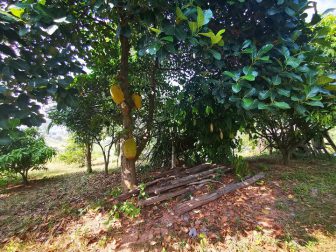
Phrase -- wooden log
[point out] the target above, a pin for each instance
(169, 172)
(166, 196)
(186, 180)
(174, 180)
(192, 170)
(206, 198)
(198, 168)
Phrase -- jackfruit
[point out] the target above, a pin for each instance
(221, 136)
(137, 100)
(211, 127)
(129, 148)
(117, 94)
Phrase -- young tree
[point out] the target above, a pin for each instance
(91, 118)
(26, 152)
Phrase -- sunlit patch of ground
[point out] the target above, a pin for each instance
(292, 209)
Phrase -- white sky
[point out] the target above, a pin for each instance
(323, 5)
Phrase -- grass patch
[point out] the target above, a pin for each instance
(313, 184)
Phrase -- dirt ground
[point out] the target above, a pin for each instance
(292, 209)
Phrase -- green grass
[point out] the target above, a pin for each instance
(313, 184)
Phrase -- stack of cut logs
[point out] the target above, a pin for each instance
(176, 182)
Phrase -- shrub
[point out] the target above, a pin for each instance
(74, 153)
(27, 151)
(241, 167)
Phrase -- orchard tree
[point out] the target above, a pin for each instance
(90, 117)
(267, 65)
(148, 29)
(27, 151)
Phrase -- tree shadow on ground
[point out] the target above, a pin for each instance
(47, 204)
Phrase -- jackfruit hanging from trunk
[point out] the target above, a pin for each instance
(129, 148)
(117, 94)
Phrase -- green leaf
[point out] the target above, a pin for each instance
(207, 34)
(264, 58)
(215, 39)
(292, 76)
(218, 37)
(281, 105)
(236, 88)
(295, 98)
(264, 94)
(216, 54)
(200, 17)
(168, 38)
(283, 92)
(249, 77)
(228, 73)
(16, 11)
(193, 27)
(272, 11)
(262, 106)
(246, 44)
(315, 103)
(296, 34)
(265, 49)
(290, 12)
(313, 91)
(247, 103)
(300, 109)
(208, 110)
(180, 16)
(250, 92)
(276, 80)
(293, 62)
(321, 80)
(157, 31)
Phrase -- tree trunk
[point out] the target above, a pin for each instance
(88, 149)
(106, 163)
(128, 174)
(24, 175)
(286, 155)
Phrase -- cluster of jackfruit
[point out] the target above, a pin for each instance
(221, 134)
(118, 96)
